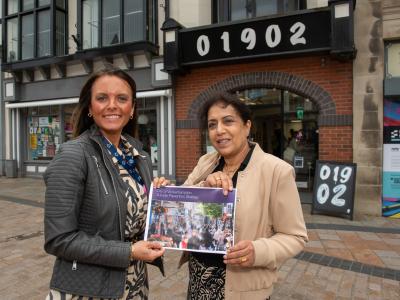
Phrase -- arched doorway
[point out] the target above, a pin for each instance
(286, 125)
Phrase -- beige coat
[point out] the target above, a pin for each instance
(268, 212)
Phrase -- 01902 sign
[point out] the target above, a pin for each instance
(334, 188)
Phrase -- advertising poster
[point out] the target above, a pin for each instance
(391, 159)
(191, 218)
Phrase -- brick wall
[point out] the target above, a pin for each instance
(331, 76)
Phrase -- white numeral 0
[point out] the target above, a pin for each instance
(249, 36)
(268, 36)
(322, 193)
(325, 172)
(203, 45)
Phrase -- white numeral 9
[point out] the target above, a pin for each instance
(249, 37)
(345, 174)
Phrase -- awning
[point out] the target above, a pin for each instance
(145, 94)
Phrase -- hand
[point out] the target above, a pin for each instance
(242, 254)
(160, 182)
(146, 251)
(221, 180)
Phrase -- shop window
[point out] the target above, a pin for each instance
(392, 59)
(147, 128)
(285, 125)
(44, 133)
(232, 10)
(29, 33)
(68, 128)
(137, 18)
(48, 128)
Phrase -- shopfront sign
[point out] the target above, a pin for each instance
(334, 184)
(269, 36)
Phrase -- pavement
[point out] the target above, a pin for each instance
(344, 259)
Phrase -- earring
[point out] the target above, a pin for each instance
(89, 115)
(131, 117)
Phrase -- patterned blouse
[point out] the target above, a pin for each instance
(136, 285)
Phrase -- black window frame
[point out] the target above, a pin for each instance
(52, 8)
(221, 9)
(146, 25)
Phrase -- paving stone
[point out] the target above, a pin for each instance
(23, 262)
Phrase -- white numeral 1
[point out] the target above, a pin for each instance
(225, 39)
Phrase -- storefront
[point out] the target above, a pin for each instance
(39, 127)
(294, 77)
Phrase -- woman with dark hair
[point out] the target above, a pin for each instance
(269, 225)
(96, 198)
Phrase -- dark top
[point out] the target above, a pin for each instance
(217, 260)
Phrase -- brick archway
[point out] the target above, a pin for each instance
(292, 83)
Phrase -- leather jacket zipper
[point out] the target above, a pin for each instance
(74, 265)
(98, 171)
(115, 190)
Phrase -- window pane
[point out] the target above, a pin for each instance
(240, 10)
(28, 4)
(266, 7)
(60, 33)
(111, 22)
(133, 22)
(44, 33)
(43, 134)
(12, 39)
(60, 3)
(12, 7)
(152, 25)
(44, 2)
(90, 24)
(27, 36)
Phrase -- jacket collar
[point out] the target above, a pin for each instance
(94, 133)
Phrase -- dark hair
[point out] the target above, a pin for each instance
(225, 99)
(81, 120)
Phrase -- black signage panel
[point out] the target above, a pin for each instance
(260, 37)
(334, 185)
(391, 135)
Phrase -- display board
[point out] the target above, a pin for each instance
(334, 185)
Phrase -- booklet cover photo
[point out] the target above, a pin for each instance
(191, 218)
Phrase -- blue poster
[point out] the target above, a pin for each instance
(391, 159)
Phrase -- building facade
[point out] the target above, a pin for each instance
(50, 48)
(290, 61)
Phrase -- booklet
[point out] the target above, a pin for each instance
(191, 218)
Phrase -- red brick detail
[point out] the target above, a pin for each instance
(335, 77)
(336, 143)
(188, 151)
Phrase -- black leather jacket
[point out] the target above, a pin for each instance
(85, 214)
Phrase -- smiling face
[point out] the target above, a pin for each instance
(227, 131)
(111, 105)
